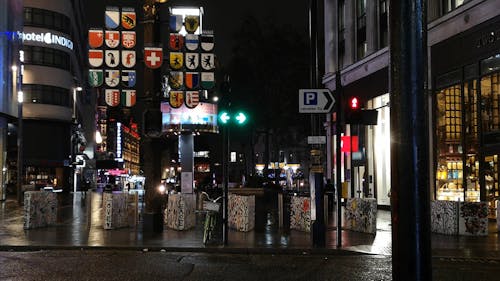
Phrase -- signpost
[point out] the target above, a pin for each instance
(315, 101)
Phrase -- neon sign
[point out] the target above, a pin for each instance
(47, 38)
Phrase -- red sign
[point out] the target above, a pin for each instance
(346, 142)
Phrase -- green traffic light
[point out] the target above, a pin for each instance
(224, 117)
(241, 118)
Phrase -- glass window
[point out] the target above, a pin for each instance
(361, 29)
(449, 5)
(47, 19)
(46, 57)
(383, 24)
(490, 103)
(46, 94)
(449, 170)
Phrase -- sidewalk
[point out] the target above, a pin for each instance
(80, 225)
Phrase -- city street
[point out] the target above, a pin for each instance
(149, 265)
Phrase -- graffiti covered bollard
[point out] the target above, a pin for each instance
(459, 218)
(40, 209)
(361, 215)
(115, 210)
(300, 213)
(180, 211)
(241, 210)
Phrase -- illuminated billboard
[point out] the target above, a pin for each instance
(202, 118)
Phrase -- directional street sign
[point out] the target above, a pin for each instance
(315, 101)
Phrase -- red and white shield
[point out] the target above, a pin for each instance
(95, 38)
(128, 39)
(112, 97)
(192, 99)
(112, 38)
(128, 58)
(153, 57)
(95, 58)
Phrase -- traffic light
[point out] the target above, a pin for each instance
(355, 115)
(224, 117)
(240, 118)
(354, 104)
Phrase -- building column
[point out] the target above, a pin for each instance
(372, 31)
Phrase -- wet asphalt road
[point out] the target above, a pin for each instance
(146, 265)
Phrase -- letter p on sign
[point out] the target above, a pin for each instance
(310, 98)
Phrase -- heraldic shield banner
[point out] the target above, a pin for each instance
(153, 57)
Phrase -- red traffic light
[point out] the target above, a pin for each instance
(354, 103)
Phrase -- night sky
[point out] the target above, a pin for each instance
(224, 17)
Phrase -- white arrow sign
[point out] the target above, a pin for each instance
(315, 101)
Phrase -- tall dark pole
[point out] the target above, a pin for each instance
(20, 149)
(338, 153)
(410, 199)
(338, 132)
(225, 173)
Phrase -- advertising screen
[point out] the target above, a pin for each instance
(202, 118)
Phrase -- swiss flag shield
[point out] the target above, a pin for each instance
(95, 38)
(153, 57)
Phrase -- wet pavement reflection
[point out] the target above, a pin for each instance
(80, 224)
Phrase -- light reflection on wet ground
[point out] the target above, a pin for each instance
(80, 223)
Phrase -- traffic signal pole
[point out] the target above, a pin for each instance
(410, 191)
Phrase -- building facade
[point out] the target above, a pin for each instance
(10, 75)
(463, 65)
(56, 98)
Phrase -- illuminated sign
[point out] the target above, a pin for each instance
(202, 118)
(47, 38)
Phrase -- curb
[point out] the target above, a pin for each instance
(213, 249)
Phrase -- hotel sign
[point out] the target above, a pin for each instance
(46, 38)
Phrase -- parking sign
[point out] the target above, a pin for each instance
(315, 101)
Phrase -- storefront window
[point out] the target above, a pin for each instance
(471, 142)
(490, 117)
(449, 174)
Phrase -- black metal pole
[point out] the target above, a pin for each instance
(225, 172)
(338, 153)
(410, 194)
(20, 152)
(338, 132)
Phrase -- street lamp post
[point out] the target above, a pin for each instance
(74, 138)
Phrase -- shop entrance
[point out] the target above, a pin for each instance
(491, 178)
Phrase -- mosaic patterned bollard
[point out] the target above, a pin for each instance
(444, 217)
(40, 209)
(241, 212)
(473, 218)
(361, 215)
(115, 210)
(300, 213)
(179, 214)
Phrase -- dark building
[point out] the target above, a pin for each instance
(56, 99)
(463, 39)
